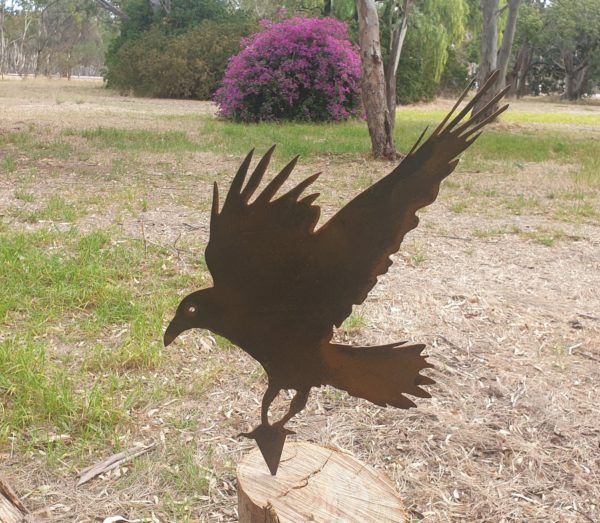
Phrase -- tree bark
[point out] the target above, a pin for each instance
(507, 41)
(575, 76)
(517, 79)
(391, 71)
(373, 82)
(489, 49)
(491, 59)
(111, 8)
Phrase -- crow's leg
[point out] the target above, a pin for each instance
(297, 404)
(270, 394)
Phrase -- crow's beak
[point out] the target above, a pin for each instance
(174, 329)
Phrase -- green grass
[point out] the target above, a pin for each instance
(516, 148)
(9, 163)
(137, 140)
(34, 144)
(48, 275)
(41, 398)
(544, 236)
(513, 115)
(66, 289)
(352, 138)
(24, 196)
(354, 323)
(578, 212)
(521, 203)
(458, 207)
(489, 233)
(58, 210)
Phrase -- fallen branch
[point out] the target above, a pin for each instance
(111, 463)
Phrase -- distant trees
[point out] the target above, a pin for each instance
(557, 48)
(174, 48)
(180, 48)
(571, 39)
(437, 30)
(52, 37)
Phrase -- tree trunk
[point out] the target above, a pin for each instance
(391, 71)
(111, 8)
(490, 58)
(489, 49)
(373, 82)
(507, 41)
(575, 77)
(517, 79)
(315, 483)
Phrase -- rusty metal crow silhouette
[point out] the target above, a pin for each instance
(281, 284)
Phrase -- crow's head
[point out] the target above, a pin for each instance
(194, 311)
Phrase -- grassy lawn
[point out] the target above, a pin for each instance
(104, 206)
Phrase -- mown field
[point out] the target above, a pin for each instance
(104, 206)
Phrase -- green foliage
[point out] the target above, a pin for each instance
(456, 73)
(434, 26)
(187, 65)
(182, 15)
(179, 53)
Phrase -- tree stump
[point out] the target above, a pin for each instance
(11, 508)
(315, 484)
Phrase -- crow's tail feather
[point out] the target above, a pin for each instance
(381, 374)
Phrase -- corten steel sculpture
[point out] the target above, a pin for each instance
(280, 284)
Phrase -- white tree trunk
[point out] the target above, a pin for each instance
(507, 41)
(491, 59)
(373, 82)
(391, 71)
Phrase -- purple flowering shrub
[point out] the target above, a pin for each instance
(297, 69)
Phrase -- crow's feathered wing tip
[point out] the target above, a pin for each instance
(215, 200)
(489, 83)
(257, 175)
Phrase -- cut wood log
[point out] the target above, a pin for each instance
(11, 508)
(317, 484)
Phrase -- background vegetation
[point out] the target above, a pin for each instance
(180, 48)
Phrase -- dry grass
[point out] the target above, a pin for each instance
(504, 292)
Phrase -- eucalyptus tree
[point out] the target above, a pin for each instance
(528, 46)
(432, 25)
(572, 37)
(491, 58)
(373, 85)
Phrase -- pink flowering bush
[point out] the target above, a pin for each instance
(298, 69)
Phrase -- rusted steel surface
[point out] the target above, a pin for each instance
(281, 284)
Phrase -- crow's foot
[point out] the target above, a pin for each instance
(270, 440)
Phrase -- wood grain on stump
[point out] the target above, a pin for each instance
(315, 484)
(11, 508)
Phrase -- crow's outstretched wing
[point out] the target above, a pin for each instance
(266, 257)
(259, 252)
(355, 245)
